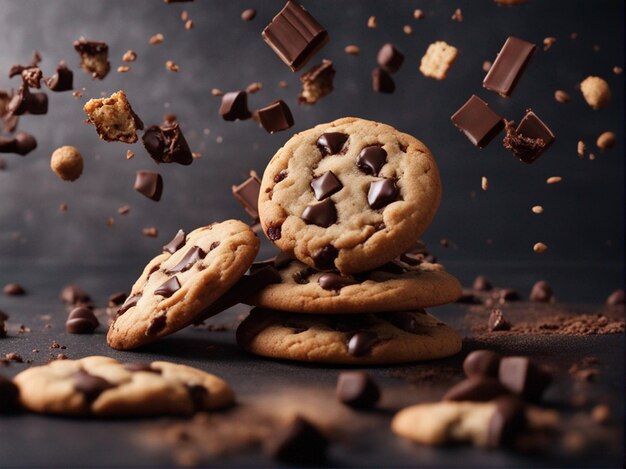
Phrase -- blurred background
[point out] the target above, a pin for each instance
(489, 232)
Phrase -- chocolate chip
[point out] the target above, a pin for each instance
(522, 377)
(25, 102)
(168, 288)
(482, 284)
(149, 184)
(176, 243)
(167, 144)
(382, 81)
(94, 57)
(325, 258)
(189, 260)
(371, 159)
(213, 245)
(62, 80)
(326, 185)
(13, 289)
(497, 321)
(116, 299)
(406, 321)
(362, 342)
(322, 214)
(22, 144)
(331, 143)
(478, 121)
(129, 303)
(73, 294)
(541, 292)
(275, 117)
(157, 323)
(299, 442)
(332, 281)
(81, 320)
(280, 176)
(247, 194)
(508, 294)
(389, 58)
(197, 394)
(506, 422)
(235, 106)
(382, 193)
(274, 232)
(615, 298)
(477, 389)
(140, 366)
(508, 66)
(317, 83)
(481, 363)
(9, 396)
(89, 385)
(357, 389)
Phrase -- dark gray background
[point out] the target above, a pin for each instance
(490, 232)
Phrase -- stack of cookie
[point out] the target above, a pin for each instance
(346, 202)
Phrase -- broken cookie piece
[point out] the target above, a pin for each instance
(114, 118)
(438, 59)
(94, 57)
(317, 83)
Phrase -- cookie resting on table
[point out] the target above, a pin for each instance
(179, 284)
(349, 195)
(365, 339)
(102, 386)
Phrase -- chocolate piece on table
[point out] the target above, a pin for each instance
(477, 389)
(481, 363)
(177, 242)
(522, 377)
(506, 422)
(321, 214)
(317, 83)
(371, 159)
(382, 81)
(89, 385)
(73, 294)
(247, 194)
(478, 121)
(616, 298)
(508, 66)
(362, 342)
(332, 281)
(326, 185)
(482, 284)
(357, 389)
(25, 102)
(294, 35)
(62, 80)
(331, 143)
(13, 289)
(235, 106)
(81, 320)
(382, 193)
(541, 292)
(149, 184)
(531, 138)
(325, 257)
(9, 396)
(168, 288)
(298, 442)
(22, 144)
(497, 321)
(167, 144)
(94, 57)
(275, 117)
(389, 58)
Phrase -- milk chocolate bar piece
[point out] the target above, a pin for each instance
(509, 66)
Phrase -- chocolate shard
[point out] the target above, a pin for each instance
(81, 320)
(299, 442)
(357, 389)
(335, 282)
(22, 144)
(389, 58)
(294, 35)
(235, 106)
(167, 144)
(541, 292)
(331, 143)
(382, 81)
(524, 378)
(477, 389)
(177, 242)
(506, 422)
(62, 80)
(478, 121)
(481, 363)
(497, 321)
(9, 396)
(275, 117)
(94, 57)
(509, 66)
(531, 138)
(149, 184)
(89, 385)
(25, 102)
(317, 83)
(382, 193)
(247, 194)
(321, 214)
(325, 258)
(371, 159)
(168, 288)
(362, 342)
(326, 185)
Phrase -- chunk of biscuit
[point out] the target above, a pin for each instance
(438, 59)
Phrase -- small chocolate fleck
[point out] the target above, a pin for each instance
(322, 214)
(382, 193)
(274, 232)
(248, 14)
(280, 176)
(129, 303)
(371, 159)
(176, 243)
(326, 185)
(168, 288)
(331, 143)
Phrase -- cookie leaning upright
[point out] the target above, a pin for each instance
(178, 285)
(351, 194)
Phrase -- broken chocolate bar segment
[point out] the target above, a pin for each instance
(167, 144)
(62, 80)
(326, 185)
(176, 243)
(371, 159)
(168, 288)
(382, 81)
(294, 35)
(22, 144)
(331, 143)
(25, 102)
(321, 214)
(531, 138)
(247, 194)
(478, 121)
(94, 57)
(389, 58)
(275, 117)
(317, 83)
(357, 389)
(235, 106)
(382, 193)
(508, 66)
(149, 184)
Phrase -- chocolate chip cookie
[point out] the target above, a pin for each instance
(364, 339)
(176, 286)
(102, 386)
(350, 195)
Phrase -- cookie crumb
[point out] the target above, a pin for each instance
(129, 56)
(150, 231)
(129, 154)
(418, 14)
(172, 66)
(123, 69)
(457, 15)
(606, 141)
(561, 96)
(282, 84)
(217, 92)
(184, 15)
(67, 163)
(538, 209)
(188, 25)
(407, 29)
(554, 179)
(254, 87)
(156, 39)
(487, 65)
(372, 22)
(548, 42)
(352, 50)
(540, 248)
(617, 70)
(484, 183)
(63, 207)
(601, 413)
(596, 92)
(123, 210)
(94, 57)
(438, 59)
(248, 14)
(580, 149)
(110, 221)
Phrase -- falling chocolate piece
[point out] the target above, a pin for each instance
(382, 81)
(508, 66)
(317, 83)
(167, 144)
(247, 194)
(149, 184)
(73, 294)
(361, 343)
(299, 442)
(476, 389)
(371, 159)
(326, 185)
(294, 35)
(382, 193)
(325, 258)
(332, 281)
(129, 303)
(168, 288)
(541, 292)
(25, 102)
(523, 377)
(81, 320)
(331, 143)
(62, 80)
(506, 422)
(275, 117)
(481, 363)
(157, 323)
(235, 106)
(9, 121)
(321, 214)
(389, 58)
(94, 57)
(478, 121)
(188, 261)
(89, 385)
(9, 396)
(22, 144)
(357, 389)
(176, 243)
(531, 138)
(497, 321)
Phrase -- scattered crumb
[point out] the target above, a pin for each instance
(484, 183)
(129, 56)
(444, 242)
(254, 87)
(110, 221)
(438, 59)
(171, 66)
(352, 50)
(573, 36)
(123, 69)
(457, 15)
(600, 413)
(196, 155)
(596, 92)
(592, 157)
(14, 357)
(63, 207)
(418, 14)
(580, 149)
(540, 248)
(150, 232)
(408, 30)
(123, 210)
(77, 94)
(372, 23)
(156, 39)
(217, 92)
(554, 179)
(617, 70)
(184, 15)
(188, 25)
(129, 154)
(538, 209)
(283, 84)
(548, 42)
(487, 66)
(561, 96)
(606, 140)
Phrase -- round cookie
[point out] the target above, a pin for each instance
(404, 284)
(102, 386)
(178, 285)
(366, 339)
(349, 195)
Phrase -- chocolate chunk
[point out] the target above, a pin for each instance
(197, 395)
(362, 342)
(25, 102)
(62, 80)
(506, 422)
(508, 294)
(247, 194)
(22, 144)
(476, 389)
(94, 57)
(497, 321)
(301, 277)
(157, 323)
(176, 243)
(321, 214)
(9, 121)
(189, 260)
(281, 176)
(32, 77)
(116, 299)
(13, 289)
(541, 292)
(336, 282)
(129, 303)
(531, 138)
(482, 284)
(615, 298)
(274, 232)
(235, 106)
(478, 121)
(331, 143)
(508, 66)
(73, 294)
(481, 363)
(149, 184)
(382, 81)
(167, 144)
(275, 117)
(357, 389)
(371, 159)
(389, 58)
(325, 258)
(81, 320)
(382, 193)
(406, 321)
(299, 442)
(524, 378)
(141, 366)
(294, 35)
(168, 288)
(248, 14)
(9, 396)
(89, 385)
(317, 83)
(326, 185)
